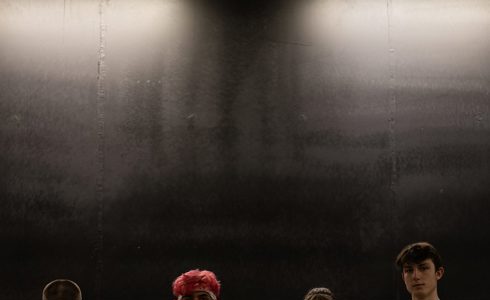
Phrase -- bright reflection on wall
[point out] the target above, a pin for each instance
(435, 39)
(38, 36)
(138, 21)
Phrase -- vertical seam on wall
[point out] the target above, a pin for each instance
(101, 97)
(393, 99)
(63, 27)
(392, 132)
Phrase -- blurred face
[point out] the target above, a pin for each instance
(421, 279)
(198, 295)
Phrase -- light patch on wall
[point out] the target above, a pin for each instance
(350, 37)
(447, 35)
(147, 36)
(49, 38)
(47, 24)
(365, 20)
(29, 19)
(140, 20)
(429, 39)
(41, 35)
(351, 22)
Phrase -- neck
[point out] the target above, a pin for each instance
(432, 296)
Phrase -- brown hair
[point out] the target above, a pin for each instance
(417, 252)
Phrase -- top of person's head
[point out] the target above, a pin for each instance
(62, 289)
(418, 252)
(196, 280)
(319, 293)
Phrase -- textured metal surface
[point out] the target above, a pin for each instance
(284, 145)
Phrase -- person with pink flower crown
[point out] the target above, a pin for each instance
(196, 285)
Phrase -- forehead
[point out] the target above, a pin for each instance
(198, 293)
(61, 288)
(426, 262)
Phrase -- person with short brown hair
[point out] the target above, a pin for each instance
(421, 267)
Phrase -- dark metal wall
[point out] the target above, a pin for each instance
(283, 145)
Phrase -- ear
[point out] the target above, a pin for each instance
(439, 273)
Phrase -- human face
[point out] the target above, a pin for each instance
(198, 295)
(421, 279)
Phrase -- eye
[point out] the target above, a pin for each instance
(423, 267)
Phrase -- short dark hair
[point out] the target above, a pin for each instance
(417, 252)
(319, 293)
